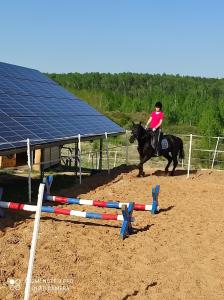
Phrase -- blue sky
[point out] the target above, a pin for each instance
(147, 36)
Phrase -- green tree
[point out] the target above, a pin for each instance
(210, 122)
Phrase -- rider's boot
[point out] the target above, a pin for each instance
(157, 151)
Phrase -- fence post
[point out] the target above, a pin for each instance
(76, 159)
(189, 156)
(80, 159)
(29, 162)
(34, 242)
(92, 160)
(98, 161)
(107, 152)
(126, 154)
(115, 158)
(216, 147)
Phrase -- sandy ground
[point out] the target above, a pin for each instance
(176, 254)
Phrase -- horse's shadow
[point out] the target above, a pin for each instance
(177, 173)
(142, 229)
(161, 210)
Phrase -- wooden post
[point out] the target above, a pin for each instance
(38, 161)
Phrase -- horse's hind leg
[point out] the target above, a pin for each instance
(175, 163)
(169, 158)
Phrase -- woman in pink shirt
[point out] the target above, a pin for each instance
(155, 120)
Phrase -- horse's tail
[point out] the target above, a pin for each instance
(181, 151)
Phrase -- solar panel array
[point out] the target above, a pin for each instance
(35, 107)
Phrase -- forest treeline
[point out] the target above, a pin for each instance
(193, 104)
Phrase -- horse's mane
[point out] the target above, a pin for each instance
(145, 132)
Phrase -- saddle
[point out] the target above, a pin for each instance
(162, 142)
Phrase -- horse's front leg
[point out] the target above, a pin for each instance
(140, 170)
(140, 166)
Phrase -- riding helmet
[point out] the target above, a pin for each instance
(159, 104)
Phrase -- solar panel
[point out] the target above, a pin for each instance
(13, 71)
(17, 105)
(15, 86)
(33, 106)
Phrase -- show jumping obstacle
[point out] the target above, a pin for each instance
(126, 216)
(108, 204)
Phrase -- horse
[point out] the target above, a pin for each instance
(174, 147)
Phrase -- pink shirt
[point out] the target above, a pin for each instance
(156, 118)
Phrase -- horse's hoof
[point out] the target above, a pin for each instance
(141, 174)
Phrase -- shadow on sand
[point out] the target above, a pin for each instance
(15, 189)
(177, 173)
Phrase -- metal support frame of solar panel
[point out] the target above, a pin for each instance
(39, 109)
(22, 145)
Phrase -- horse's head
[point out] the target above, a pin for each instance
(137, 132)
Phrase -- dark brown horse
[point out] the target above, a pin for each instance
(173, 147)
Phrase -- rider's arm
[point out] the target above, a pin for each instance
(160, 123)
(149, 121)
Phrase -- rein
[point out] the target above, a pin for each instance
(144, 136)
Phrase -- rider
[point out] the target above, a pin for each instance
(155, 120)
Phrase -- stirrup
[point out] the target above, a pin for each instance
(157, 153)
